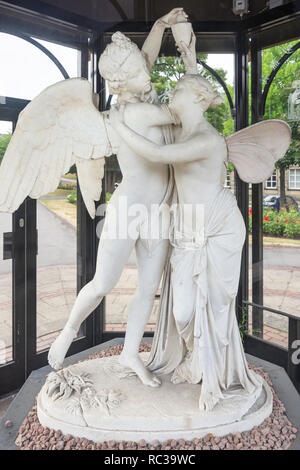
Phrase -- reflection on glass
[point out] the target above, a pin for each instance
(120, 297)
(6, 349)
(56, 262)
(38, 71)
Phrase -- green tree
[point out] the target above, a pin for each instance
(4, 141)
(277, 102)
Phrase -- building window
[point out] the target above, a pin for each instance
(271, 182)
(294, 179)
(227, 183)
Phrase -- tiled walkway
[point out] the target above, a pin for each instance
(56, 293)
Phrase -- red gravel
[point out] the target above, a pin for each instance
(275, 433)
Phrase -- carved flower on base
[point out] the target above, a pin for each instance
(61, 385)
(105, 399)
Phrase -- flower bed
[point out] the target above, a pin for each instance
(283, 223)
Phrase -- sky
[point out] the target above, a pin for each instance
(26, 71)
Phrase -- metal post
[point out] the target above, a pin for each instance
(241, 188)
(293, 366)
(86, 236)
(99, 87)
(257, 200)
(31, 249)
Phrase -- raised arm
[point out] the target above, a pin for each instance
(188, 55)
(196, 148)
(151, 46)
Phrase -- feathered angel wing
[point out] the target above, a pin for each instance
(255, 149)
(60, 127)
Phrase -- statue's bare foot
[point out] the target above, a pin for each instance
(136, 364)
(60, 347)
(207, 401)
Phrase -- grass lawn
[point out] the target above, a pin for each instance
(60, 192)
(63, 208)
(68, 211)
(278, 241)
(69, 176)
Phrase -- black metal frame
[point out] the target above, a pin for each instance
(241, 188)
(24, 258)
(254, 343)
(55, 24)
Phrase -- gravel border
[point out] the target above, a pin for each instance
(275, 433)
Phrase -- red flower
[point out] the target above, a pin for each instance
(277, 221)
(267, 219)
(250, 211)
(286, 220)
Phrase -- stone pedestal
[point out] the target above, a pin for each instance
(100, 400)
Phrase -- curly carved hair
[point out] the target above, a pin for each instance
(113, 61)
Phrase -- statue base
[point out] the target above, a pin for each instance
(100, 400)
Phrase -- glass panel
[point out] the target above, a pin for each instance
(56, 261)
(275, 329)
(56, 224)
(26, 71)
(6, 306)
(281, 229)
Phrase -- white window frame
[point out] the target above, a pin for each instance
(271, 183)
(227, 182)
(294, 178)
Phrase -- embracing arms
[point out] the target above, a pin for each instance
(196, 148)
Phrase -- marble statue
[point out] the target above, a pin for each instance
(294, 102)
(73, 131)
(197, 336)
(170, 156)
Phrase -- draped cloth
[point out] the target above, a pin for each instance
(208, 348)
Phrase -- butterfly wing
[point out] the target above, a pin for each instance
(255, 149)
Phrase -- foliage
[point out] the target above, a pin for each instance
(243, 325)
(68, 186)
(277, 99)
(286, 224)
(4, 141)
(73, 170)
(107, 197)
(72, 197)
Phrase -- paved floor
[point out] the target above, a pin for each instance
(56, 285)
(56, 293)
(4, 404)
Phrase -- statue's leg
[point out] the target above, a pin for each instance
(112, 257)
(184, 299)
(184, 287)
(150, 269)
(225, 362)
